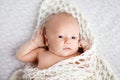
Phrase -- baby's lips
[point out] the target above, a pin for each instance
(67, 48)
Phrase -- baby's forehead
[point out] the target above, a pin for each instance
(61, 19)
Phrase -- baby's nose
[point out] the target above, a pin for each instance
(67, 41)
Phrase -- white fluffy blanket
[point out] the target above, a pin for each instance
(87, 66)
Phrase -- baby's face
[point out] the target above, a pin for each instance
(62, 34)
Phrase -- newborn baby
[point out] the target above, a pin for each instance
(60, 35)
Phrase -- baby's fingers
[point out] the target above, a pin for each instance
(40, 31)
(84, 44)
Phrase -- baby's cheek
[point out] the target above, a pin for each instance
(76, 43)
(55, 43)
(75, 46)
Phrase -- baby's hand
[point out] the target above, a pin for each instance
(38, 38)
(84, 44)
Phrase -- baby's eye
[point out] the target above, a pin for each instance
(60, 36)
(73, 37)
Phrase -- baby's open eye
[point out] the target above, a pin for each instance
(60, 36)
(73, 37)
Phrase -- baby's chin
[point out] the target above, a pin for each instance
(67, 54)
(64, 52)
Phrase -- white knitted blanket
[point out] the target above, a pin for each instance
(75, 68)
(87, 66)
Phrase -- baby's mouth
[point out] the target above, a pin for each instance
(67, 48)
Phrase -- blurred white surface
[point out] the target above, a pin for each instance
(18, 19)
